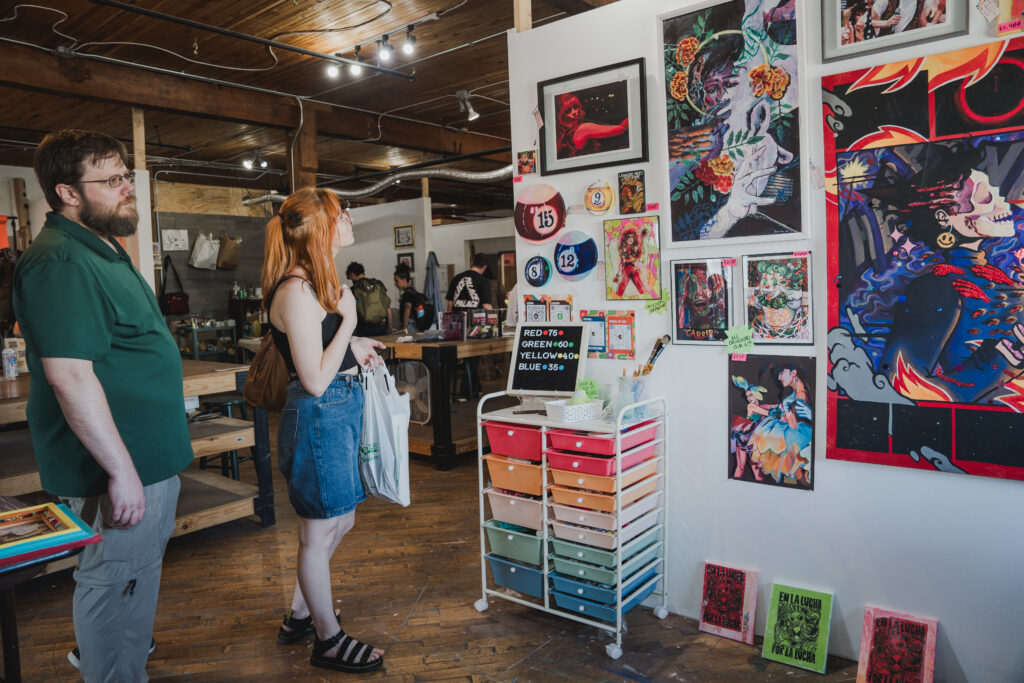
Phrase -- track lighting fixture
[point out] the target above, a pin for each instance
(384, 53)
(410, 42)
(333, 70)
(356, 69)
(466, 106)
(256, 160)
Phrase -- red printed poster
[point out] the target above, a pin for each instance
(728, 602)
(896, 648)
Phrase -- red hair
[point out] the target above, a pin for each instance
(302, 236)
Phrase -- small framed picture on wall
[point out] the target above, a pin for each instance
(404, 236)
(406, 259)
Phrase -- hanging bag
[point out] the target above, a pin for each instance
(266, 386)
(230, 251)
(384, 443)
(204, 252)
(172, 303)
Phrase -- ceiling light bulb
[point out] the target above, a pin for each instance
(355, 69)
(263, 162)
(385, 50)
(247, 163)
(332, 70)
(410, 42)
(473, 115)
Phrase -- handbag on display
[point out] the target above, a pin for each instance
(204, 252)
(172, 303)
(266, 386)
(230, 251)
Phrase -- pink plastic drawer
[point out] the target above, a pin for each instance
(604, 467)
(514, 476)
(600, 444)
(601, 501)
(513, 440)
(603, 520)
(606, 484)
(516, 509)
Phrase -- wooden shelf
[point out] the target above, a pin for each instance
(209, 499)
(213, 437)
(18, 472)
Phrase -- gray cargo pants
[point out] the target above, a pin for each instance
(117, 584)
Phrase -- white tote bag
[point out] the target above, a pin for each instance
(384, 444)
(204, 252)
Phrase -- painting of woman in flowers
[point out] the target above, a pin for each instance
(731, 102)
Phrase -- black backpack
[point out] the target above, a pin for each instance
(423, 312)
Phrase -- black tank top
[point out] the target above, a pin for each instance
(328, 328)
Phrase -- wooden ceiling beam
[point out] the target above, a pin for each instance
(30, 69)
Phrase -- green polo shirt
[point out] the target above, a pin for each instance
(75, 297)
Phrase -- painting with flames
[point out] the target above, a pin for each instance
(926, 257)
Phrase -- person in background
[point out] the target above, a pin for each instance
(416, 312)
(373, 305)
(312, 320)
(468, 290)
(105, 413)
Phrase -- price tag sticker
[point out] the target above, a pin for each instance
(652, 206)
(739, 356)
(517, 179)
(799, 254)
(727, 262)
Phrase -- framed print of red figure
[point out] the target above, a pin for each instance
(926, 262)
(632, 258)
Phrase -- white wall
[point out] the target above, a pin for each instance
(450, 240)
(927, 543)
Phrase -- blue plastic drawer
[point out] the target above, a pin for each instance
(593, 610)
(600, 592)
(518, 577)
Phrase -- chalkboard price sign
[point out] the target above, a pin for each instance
(548, 359)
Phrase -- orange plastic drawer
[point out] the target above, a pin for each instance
(598, 483)
(600, 444)
(602, 466)
(514, 476)
(603, 520)
(601, 501)
(514, 440)
(516, 509)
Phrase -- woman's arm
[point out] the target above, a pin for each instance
(406, 311)
(587, 131)
(300, 315)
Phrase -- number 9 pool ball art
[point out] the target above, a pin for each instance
(575, 255)
(539, 213)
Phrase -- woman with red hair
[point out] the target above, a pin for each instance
(312, 317)
(577, 137)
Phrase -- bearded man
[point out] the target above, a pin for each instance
(105, 404)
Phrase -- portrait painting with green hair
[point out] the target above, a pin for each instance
(777, 298)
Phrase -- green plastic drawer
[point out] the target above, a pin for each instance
(605, 558)
(606, 575)
(513, 544)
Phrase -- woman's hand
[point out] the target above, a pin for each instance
(363, 351)
(347, 305)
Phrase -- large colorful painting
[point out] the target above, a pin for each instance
(777, 298)
(731, 101)
(926, 262)
(771, 420)
(701, 291)
(632, 258)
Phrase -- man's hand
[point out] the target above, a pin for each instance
(127, 500)
(363, 350)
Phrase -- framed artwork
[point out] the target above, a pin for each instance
(526, 162)
(797, 630)
(404, 236)
(777, 298)
(701, 300)
(859, 27)
(406, 258)
(771, 420)
(632, 195)
(729, 602)
(632, 258)
(926, 262)
(731, 102)
(593, 118)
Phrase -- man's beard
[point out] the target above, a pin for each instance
(109, 223)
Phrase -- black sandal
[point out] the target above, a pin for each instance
(353, 656)
(297, 628)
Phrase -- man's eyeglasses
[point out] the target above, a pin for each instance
(115, 181)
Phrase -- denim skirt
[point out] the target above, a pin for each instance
(318, 448)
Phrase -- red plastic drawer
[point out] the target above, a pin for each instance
(605, 467)
(514, 476)
(515, 441)
(600, 444)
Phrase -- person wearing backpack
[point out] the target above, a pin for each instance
(373, 305)
(417, 312)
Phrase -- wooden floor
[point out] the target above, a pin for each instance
(405, 580)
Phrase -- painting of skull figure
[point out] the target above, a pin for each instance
(701, 290)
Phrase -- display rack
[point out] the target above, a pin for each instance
(578, 513)
(221, 330)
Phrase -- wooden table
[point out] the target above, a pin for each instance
(441, 359)
(206, 498)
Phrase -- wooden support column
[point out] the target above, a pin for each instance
(522, 12)
(302, 162)
(138, 139)
(425, 187)
(23, 233)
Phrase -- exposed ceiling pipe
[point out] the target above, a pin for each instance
(422, 164)
(245, 36)
(441, 173)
